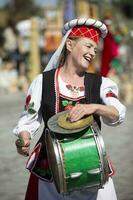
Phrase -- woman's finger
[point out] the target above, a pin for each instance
(24, 152)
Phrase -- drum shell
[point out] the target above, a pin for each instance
(81, 156)
(76, 161)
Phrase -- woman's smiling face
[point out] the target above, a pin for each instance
(83, 52)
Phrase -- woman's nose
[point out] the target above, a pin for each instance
(92, 52)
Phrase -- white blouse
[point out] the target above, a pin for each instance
(31, 117)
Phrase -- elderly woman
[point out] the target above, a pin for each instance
(65, 84)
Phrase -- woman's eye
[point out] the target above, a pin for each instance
(96, 50)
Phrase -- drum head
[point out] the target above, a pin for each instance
(53, 125)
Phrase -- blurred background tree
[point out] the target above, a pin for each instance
(17, 10)
(126, 7)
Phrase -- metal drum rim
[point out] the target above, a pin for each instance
(101, 150)
(58, 156)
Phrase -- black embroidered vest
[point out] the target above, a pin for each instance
(92, 93)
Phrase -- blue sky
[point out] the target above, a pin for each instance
(40, 2)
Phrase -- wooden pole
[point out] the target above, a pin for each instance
(34, 57)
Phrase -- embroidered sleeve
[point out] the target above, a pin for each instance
(109, 95)
(31, 117)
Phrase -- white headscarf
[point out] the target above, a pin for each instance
(53, 62)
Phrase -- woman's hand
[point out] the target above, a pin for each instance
(23, 143)
(81, 110)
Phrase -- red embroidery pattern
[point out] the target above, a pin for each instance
(111, 94)
(67, 105)
(29, 106)
(28, 98)
(75, 88)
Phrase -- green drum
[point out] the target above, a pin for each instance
(77, 160)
